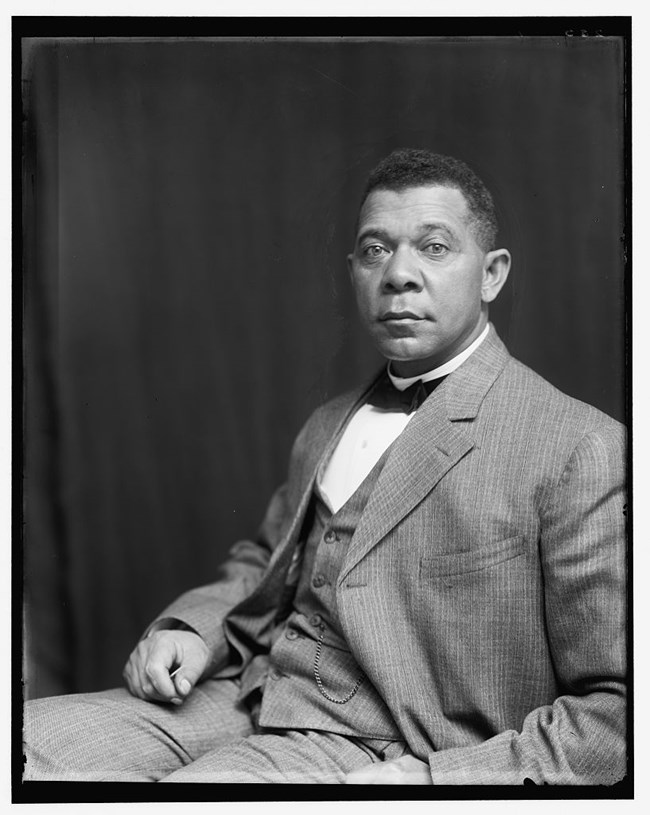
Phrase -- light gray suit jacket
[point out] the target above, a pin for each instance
(483, 592)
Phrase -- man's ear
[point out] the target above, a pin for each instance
(496, 266)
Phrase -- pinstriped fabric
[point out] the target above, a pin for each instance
(453, 595)
(291, 696)
(113, 736)
(208, 609)
(483, 591)
(288, 757)
(502, 592)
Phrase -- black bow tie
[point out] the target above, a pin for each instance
(387, 397)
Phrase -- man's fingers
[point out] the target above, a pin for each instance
(192, 660)
(181, 682)
(132, 678)
(137, 676)
(176, 663)
(165, 666)
(188, 674)
(157, 681)
(133, 683)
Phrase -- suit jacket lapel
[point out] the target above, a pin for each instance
(432, 443)
(256, 613)
(318, 446)
(324, 436)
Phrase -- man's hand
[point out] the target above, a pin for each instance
(404, 770)
(181, 653)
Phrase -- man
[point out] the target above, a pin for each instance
(436, 596)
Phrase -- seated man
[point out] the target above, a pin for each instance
(436, 596)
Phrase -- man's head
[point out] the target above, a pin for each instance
(408, 167)
(424, 268)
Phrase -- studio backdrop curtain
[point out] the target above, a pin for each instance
(188, 209)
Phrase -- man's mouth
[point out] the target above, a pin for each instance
(394, 316)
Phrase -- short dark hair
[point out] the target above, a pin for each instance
(410, 167)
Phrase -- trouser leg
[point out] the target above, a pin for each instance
(287, 757)
(113, 736)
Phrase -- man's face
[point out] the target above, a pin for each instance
(421, 280)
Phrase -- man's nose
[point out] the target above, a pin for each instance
(401, 272)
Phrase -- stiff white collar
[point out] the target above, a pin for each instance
(403, 382)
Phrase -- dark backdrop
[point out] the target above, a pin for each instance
(188, 207)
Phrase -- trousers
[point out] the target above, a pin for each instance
(211, 738)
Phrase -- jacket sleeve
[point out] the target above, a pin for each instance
(580, 738)
(204, 609)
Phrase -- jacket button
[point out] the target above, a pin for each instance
(316, 620)
(291, 634)
(331, 536)
(318, 581)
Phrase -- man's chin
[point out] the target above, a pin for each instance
(403, 348)
(409, 362)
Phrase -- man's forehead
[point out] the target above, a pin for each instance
(416, 202)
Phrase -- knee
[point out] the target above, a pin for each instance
(40, 742)
(61, 736)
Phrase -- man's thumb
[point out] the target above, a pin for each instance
(189, 673)
(183, 684)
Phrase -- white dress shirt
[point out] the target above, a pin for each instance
(370, 431)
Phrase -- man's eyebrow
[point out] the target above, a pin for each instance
(373, 232)
(423, 229)
(426, 228)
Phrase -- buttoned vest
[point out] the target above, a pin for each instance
(312, 680)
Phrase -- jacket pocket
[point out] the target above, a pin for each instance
(432, 566)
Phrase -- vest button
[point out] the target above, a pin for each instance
(275, 674)
(291, 634)
(318, 581)
(315, 620)
(331, 536)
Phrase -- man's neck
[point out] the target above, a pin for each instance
(403, 382)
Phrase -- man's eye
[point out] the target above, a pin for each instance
(373, 251)
(435, 248)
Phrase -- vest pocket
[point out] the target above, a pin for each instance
(434, 566)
